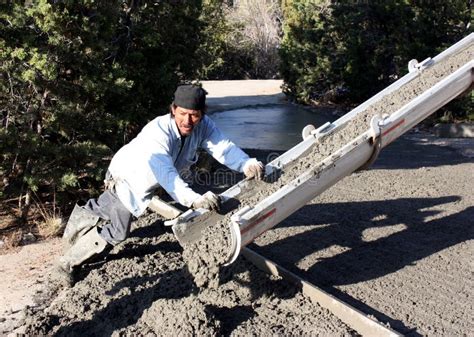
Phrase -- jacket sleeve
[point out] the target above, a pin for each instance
(222, 148)
(168, 177)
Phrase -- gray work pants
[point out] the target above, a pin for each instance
(109, 207)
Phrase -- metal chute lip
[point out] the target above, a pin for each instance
(236, 242)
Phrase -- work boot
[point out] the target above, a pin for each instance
(86, 246)
(80, 222)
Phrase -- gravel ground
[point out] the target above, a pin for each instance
(395, 242)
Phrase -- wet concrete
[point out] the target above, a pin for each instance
(275, 127)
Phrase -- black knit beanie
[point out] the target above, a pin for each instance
(190, 97)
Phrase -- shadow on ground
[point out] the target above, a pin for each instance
(409, 154)
(343, 224)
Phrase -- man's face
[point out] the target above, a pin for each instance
(186, 119)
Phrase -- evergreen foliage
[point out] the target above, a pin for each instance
(78, 80)
(347, 51)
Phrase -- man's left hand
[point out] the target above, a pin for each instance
(253, 169)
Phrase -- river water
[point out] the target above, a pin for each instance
(271, 127)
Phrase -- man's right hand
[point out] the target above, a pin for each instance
(209, 201)
(253, 169)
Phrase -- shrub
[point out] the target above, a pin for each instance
(348, 51)
(78, 80)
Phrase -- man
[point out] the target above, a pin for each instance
(165, 147)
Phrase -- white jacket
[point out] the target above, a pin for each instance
(156, 157)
